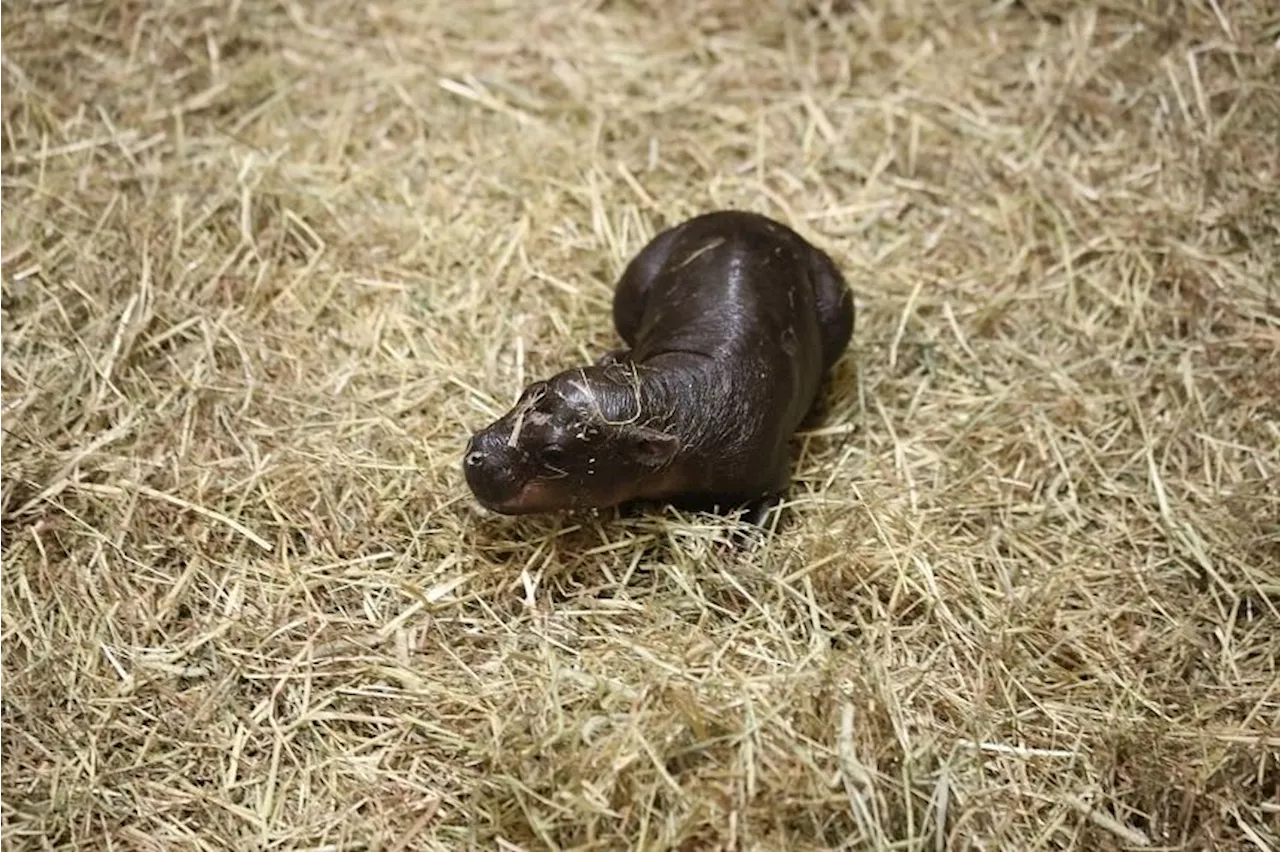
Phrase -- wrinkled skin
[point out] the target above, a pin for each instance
(732, 321)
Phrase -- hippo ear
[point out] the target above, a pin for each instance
(649, 446)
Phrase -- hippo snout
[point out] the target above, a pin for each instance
(490, 467)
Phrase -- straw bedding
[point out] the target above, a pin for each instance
(267, 263)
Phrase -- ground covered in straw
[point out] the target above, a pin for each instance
(267, 263)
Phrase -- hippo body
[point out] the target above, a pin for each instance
(732, 321)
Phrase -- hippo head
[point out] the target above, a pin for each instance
(577, 440)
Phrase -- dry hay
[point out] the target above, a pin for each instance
(266, 264)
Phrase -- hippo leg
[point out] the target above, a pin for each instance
(835, 306)
(757, 522)
(632, 292)
(759, 513)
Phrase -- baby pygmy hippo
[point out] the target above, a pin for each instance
(732, 320)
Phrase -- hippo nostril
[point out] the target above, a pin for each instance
(474, 458)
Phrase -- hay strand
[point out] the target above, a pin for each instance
(267, 265)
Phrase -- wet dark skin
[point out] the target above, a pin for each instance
(731, 321)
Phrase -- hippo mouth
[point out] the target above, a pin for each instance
(532, 497)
